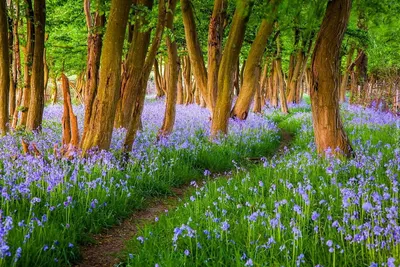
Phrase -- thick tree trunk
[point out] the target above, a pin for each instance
(215, 37)
(173, 71)
(30, 44)
(252, 69)
(234, 43)
(135, 121)
(99, 129)
(134, 64)
(36, 104)
(194, 49)
(94, 26)
(4, 69)
(328, 128)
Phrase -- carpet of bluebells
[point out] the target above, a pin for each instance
(295, 209)
(49, 205)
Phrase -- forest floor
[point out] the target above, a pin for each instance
(108, 246)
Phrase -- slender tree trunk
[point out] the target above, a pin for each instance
(252, 69)
(55, 91)
(328, 128)
(158, 80)
(16, 67)
(274, 86)
(257, 95)
(227, 68)
(135, 121)
(194, 49)
(100, 126)
(180, 95)
(345, 77)
(95, 42)
(4, 69)
(36, 104)
(187, 77)
(30, 44)
(69, 120)
(215, 37)
(281, 85)
(173, 71)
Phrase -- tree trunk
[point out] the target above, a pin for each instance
(226, 71)
(173, 71)
(69, 120)
(158, 80)
(36, 104)
(252, 68)
(30, 44)
(55, 91)
(257, 95)
(281, 85)
(100, 125)
(215, 37)
(4, 69)
(180, 95)
(187, 77)
(140, 90)
(16, 68)
(274, 86)
(194, 49)
(134, 64)
(328, 128)
(94, 26)
(345, 77)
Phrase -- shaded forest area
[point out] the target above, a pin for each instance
(262, 52)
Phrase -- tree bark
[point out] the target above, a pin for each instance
(69, 120)
(215, 37)
(257, 95)
(36, 104)
(173, 71)
(4, 69)
(227, 68)
(134, 64)
(180, 94)
(328, 128)
(252, 68)
(140, 94)
(30, 44)
(345, 77)
(194, 49)
(95, 42)
(55, 91)
(100, 125)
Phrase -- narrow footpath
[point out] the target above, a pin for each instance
(108, 245)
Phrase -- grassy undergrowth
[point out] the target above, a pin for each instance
(49, 206)
(297, 209)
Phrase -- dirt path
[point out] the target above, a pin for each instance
(108, 245)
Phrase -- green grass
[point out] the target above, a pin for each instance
(298, 209)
